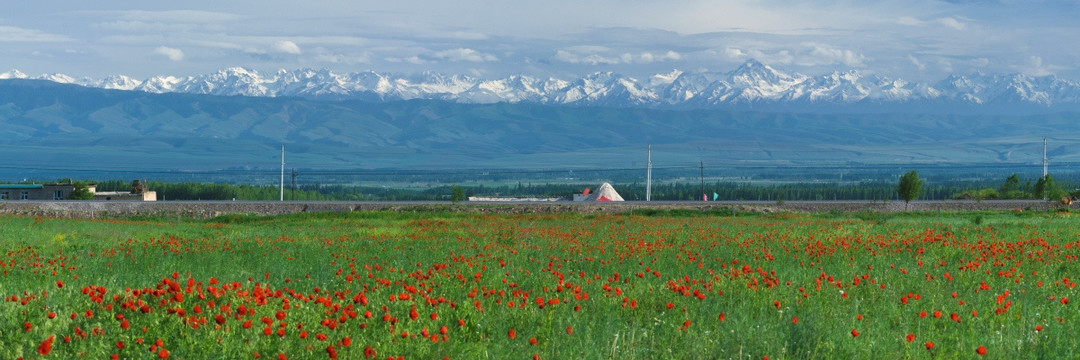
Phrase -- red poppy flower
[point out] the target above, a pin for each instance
(929, 345)
(910, 337)
(512, 334)
(854, 333)
(46, 346)
(981, 350)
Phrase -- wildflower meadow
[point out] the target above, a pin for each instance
(439, 285)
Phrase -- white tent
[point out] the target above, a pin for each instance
(604, 193)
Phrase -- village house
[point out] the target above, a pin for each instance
(16, 192)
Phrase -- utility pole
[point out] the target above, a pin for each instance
(648, 177)
(282, 187)
(703, 197)
(1044, 158)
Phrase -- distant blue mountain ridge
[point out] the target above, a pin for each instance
(601, 121)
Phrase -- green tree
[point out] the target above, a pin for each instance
(457, 194)
(910, 187)
(1010, 187)
(81, 192)
(1046, 188)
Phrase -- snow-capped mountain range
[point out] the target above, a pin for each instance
(752, 83)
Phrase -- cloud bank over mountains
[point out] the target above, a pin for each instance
(920, 40)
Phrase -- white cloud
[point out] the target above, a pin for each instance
(910, 21)
(599, 55)
(336, 58)
(899, 38)
(173, 54)
(952, 23)
(1035, 67)
(463, 54)
(774, 57)
(955, 23)
(916, 62)
(415, 60)
(576, 57)
(171, 16)
(287, 47)
(804, 54)
(16, 34)
(649, 57)
(137, 26)
(825, 55)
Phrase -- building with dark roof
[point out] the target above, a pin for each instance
(17, 192)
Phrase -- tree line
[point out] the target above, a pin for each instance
(880, 190)
(1045, 187)
(665, 191)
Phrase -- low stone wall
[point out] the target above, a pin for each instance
(209, 209)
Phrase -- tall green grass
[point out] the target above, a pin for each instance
(443, 252)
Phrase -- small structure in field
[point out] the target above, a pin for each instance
(604, 193)
(138, 192)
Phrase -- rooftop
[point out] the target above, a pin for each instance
(20, 186)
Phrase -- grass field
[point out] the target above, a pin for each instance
(469, 286)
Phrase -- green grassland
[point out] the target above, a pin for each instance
(679, 285)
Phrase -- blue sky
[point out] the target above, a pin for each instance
(918, 40)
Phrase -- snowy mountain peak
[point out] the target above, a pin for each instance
(119, 82)
(13, 74)
(750, 83)
(665, 79)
